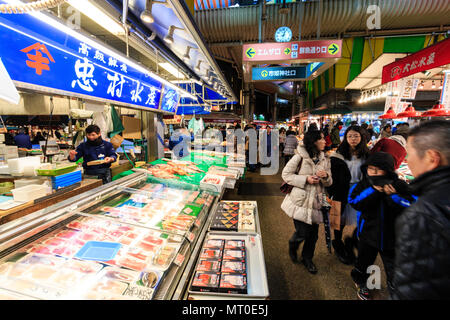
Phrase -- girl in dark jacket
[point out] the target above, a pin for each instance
(380, 197)
(345, 170)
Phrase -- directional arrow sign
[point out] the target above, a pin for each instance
(264, 73)
(306, 50)
(333, 49)
(250, 53)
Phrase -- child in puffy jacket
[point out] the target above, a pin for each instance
(380, 197)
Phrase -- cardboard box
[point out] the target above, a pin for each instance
(132, 128)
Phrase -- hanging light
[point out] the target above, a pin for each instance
(421, 85)
(390, 114)
(440, 86)
(197, 67)
(409, 112)
(433, 85)
(438, 110)
(361, 98)
(147, 15)
(169, 37)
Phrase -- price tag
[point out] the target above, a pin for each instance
(197, 223)
(179, 259)
(190, 236)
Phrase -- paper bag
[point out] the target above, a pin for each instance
(116, 141)
(335, 215)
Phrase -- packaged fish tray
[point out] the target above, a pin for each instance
(209, 265)
(233, 283)
(206, 282)
(233, 266)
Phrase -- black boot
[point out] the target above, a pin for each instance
(340, 251)
(349, 245)
(310, 266)
(293, 251)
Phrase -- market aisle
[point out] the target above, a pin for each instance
(287, 280)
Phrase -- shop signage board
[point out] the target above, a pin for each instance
(39, 56)
(445, 94)
(279, 73)
(284, 73)
(393, 100)
(409, 88)
(297, 50)
(432, 57)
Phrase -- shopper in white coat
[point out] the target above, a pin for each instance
(304, 202)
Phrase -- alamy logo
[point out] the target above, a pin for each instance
(374, 20)
(374, 280)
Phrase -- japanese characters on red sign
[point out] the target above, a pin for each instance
(426, 59)
(317, 49)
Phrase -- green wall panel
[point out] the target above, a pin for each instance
(404, 44)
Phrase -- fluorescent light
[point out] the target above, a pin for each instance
(98, 16)
(172, 70)
(48, 19)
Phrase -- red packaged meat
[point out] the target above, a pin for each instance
(205, 282)
(211, 253)
(229, 254)
(208, 265)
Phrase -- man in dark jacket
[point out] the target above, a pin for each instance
(23, 140)
(380, 197)
(422, 252)
(95, 148)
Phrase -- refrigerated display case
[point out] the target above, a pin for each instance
(126, 240)
(225, 281)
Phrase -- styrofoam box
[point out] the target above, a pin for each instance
(25, 182)
(30, 192)
(25, 164)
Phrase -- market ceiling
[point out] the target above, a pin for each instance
(227, 26)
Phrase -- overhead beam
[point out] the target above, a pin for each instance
(377, 33)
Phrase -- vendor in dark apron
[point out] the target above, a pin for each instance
(95, 148)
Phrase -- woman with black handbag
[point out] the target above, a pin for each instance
(308, 173)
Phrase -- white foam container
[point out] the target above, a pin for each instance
(28, 165)
(25, 182)
(30, 192)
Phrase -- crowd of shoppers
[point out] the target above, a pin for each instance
(407, 224)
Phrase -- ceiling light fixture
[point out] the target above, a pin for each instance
(186, 56)
(433, 85)
(169, 37)
(147, 15)
(197, 67)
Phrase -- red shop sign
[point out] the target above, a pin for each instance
(432, 57)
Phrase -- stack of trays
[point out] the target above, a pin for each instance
(222, 267)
